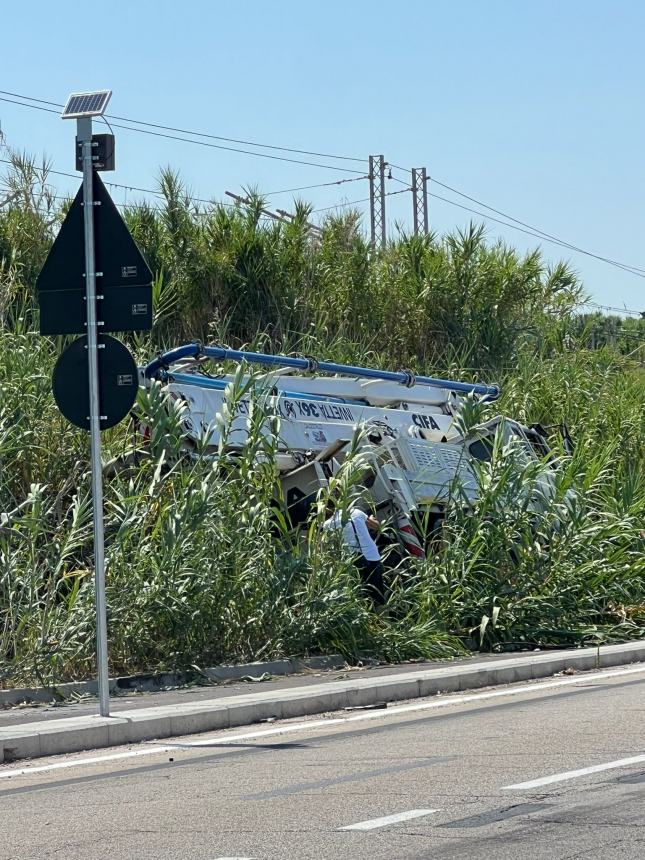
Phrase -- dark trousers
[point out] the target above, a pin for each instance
(372, 575)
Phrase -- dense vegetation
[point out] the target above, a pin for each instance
(201, 567)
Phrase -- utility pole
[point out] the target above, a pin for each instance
(377, 200)
(420, 200)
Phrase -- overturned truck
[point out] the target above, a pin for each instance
(417, 449)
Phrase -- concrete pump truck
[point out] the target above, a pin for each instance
(410, 435)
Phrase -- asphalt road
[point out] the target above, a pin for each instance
(555, 769)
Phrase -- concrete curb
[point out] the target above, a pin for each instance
(92, 732)
(153, 682)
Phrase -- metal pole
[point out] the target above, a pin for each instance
(377, 200)
(420, 200)
(424, 191)
(372, 202)
(415, 203)
(84, 129)
(382, 192)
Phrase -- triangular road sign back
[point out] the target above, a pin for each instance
(116, 253)
(123, 277)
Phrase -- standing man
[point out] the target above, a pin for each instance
(356, 526)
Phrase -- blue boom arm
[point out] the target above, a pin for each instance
(195, 350)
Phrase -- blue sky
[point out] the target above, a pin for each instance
(535, 108)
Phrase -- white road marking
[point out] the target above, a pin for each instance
(157, 750)
(574, 774)
(373, 823)
(219, 739)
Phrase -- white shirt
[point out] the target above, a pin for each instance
(356, 535)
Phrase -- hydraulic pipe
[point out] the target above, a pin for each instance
(404, 377)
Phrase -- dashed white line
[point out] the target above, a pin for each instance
(574, 774)
(435, 703)
(373, 823)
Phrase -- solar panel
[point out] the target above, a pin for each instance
(86, 104)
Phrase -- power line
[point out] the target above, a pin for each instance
(531, 230)
(537, 230)
(156, 193)
(243, 142)
(33, 99)
(541, 236)
(234, 149)
(23, 104)
(203, 199)
(485, 216)
(202, 142)
(610, 308)
(319, 185)
(187, 197)
(188, 131)
(199, 133)
(322, 209)
(362, 200)
(132, 187)
(44, 210)
(342, 205)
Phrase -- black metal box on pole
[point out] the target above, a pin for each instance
(102, 152)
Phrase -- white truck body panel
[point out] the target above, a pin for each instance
(307, 425)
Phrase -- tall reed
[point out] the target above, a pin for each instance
(202, 566)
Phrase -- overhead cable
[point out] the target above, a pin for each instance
(610, 308)
(536, 229)
(202, 134)
(632, 270)
(189, 197)
(362, 200)
(530, 229)
(202, 142)
(318, 185)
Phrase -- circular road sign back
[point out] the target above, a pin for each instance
(118, 382)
